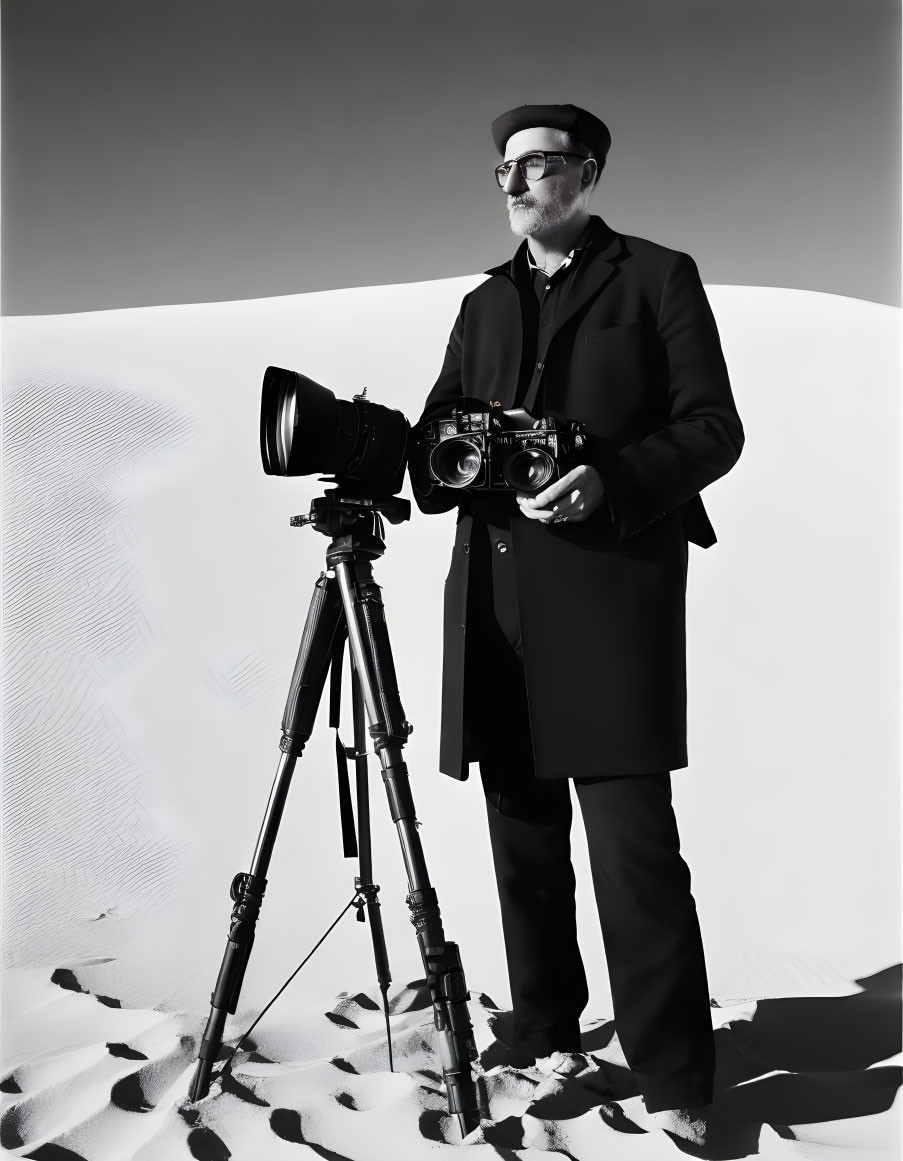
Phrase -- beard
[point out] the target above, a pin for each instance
(529, 218)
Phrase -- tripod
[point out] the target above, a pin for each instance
(349, 600)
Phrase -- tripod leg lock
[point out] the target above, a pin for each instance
(247, 886)
(247, 893)
(452, 1016)
(424, 905)
(450, 976)
(454, 986)
(398, 787)
(293, 744)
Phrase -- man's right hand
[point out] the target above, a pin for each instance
(574, 497)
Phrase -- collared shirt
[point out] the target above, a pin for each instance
(540, 295)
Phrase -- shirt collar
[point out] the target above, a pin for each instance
(598, 236)
(590, 235)
(522, 266)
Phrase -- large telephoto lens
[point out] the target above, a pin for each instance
(305, 429)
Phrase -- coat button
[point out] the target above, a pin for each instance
(467, 548)
(501, 546)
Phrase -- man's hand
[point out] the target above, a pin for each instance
(573, 497)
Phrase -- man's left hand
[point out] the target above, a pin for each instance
(574, 497)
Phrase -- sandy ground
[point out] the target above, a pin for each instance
(87, 1078)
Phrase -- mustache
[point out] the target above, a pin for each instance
(520, 202)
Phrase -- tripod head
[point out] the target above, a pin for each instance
(354, 523)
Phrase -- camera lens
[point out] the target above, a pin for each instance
(528, 470)
(456, 462)
(299, 422)
(305, 429)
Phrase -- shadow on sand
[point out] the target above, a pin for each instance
(797, 1062)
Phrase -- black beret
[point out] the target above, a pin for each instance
(580, 124)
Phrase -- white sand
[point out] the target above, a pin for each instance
(109, 1084)
(154, 603)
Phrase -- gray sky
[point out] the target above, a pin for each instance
(163, 151)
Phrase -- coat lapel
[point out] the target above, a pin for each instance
(501, 358)
(595, 270)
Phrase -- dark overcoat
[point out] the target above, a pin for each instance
(635, 355)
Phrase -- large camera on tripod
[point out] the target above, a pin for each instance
(305, 429)
(494, 450)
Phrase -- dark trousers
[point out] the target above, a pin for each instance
(650, 930)
(648, 916)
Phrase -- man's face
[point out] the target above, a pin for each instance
(539, 208)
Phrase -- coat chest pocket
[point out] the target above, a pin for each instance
(617, 385)
(632, 333)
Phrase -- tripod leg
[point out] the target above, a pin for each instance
(364, 884)
(324, 618)
(368, 638)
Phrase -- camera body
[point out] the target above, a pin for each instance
(498, 451)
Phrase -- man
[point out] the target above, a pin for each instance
(564, 651)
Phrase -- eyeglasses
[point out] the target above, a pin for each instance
(532, 165)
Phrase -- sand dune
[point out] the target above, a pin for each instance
(154, 598)
(155, 595)
(115, 1088)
